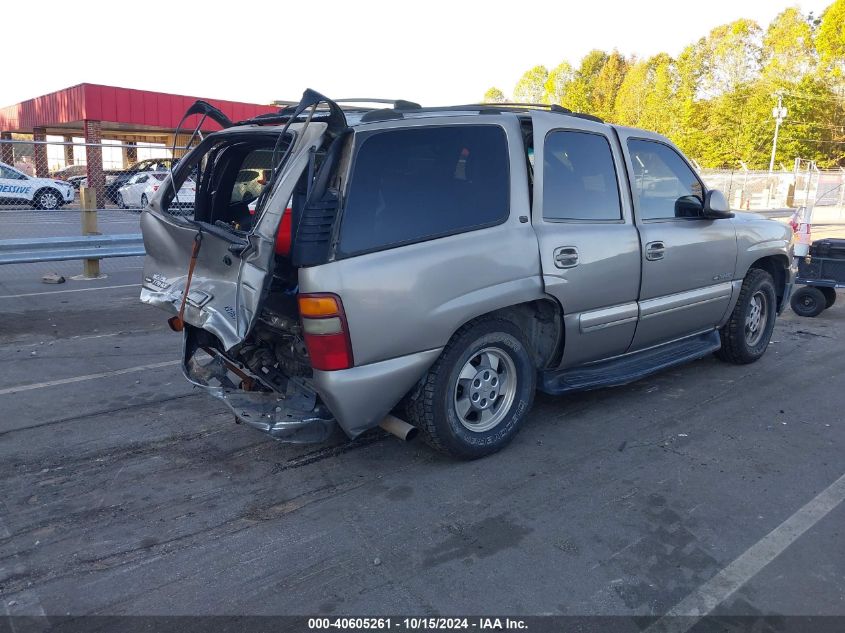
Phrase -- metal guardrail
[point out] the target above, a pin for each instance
(55, 249)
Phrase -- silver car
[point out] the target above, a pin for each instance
(436, 266)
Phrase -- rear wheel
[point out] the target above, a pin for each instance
(144, 201)
(47, 199)
(746, 335)
(478, 393)
(829, 295)
(120, 203)
(808, 301)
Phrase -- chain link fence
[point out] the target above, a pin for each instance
(762, 190)
(40, 183)
(46, 175)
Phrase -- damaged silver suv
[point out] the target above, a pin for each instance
(439, 265)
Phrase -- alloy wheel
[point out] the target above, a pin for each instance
(485, 389)
(758, 316)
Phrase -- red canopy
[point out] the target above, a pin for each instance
(118, 109)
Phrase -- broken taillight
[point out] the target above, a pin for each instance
(325, 331)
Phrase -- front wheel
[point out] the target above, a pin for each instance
(478, 393)
(144, 201)
(48, 200)
(746, 335)
(120, 203)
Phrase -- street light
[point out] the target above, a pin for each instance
(779, 113)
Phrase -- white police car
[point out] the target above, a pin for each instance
(42, 193)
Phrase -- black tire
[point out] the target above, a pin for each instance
(808, 301)
(47, 199)
(144, 201)
(829, 295)
(120, 203)
(742, 344)
(433, 407)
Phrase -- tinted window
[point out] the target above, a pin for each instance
(579, 178)
(664, 186)
(412, 184)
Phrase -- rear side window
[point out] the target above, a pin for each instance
(579, 178)
(414, 184)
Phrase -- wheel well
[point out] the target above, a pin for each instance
(776, 266)
(542, 323)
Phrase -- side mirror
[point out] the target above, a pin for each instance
(716, 206)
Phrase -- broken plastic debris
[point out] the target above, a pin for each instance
(52, 278)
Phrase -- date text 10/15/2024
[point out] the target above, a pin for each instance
(417, 624)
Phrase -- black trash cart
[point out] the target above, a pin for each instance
(821, 273)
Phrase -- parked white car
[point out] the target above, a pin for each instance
(140, 189)
(17, 187)
(249, 183)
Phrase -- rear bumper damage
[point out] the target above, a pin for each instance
(295, 416)
(300, 411)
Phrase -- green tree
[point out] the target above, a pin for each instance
(788, 52)
(684, 110)
(733, 55)
(606, 84)
(558, 82)
(662, 82)
(814, 125)
(579, 96)
(715, 99)
(830, 39)
(531, 87)
(494, 95)
(631, 99)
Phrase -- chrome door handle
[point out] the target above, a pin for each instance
(566, 256)
(655, 251)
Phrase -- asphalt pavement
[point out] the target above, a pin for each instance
(125, 491)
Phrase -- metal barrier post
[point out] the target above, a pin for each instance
(88, 202)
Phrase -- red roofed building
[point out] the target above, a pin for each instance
(106, 112)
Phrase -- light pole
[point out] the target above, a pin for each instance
(779, 113)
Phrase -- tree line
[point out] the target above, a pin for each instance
(715, 99)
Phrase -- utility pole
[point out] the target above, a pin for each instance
(779, 113)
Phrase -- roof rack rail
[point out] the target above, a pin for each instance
(517, 104)
(397, 108)
(397, 104)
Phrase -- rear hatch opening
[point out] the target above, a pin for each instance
(245, 342)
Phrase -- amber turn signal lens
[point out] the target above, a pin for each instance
(318, 306)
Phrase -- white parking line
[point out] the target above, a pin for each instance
(684, 615)
(105, 374)
(55, 292)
